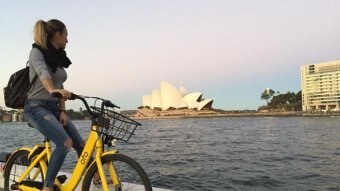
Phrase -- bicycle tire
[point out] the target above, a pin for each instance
(15, 166)
(131, 174)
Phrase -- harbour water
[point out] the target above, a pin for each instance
(235, 153)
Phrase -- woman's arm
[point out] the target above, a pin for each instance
(37, 62)
(49, 86)
(62, 117)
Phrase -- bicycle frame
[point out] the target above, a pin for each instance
(93, 143)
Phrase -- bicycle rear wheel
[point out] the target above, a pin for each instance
(131, 175)
(16, 166)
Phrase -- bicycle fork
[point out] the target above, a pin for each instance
(112, 170)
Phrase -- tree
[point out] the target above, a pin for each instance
(267, 94)
(299, 96)
(289, 101)
(74, 115)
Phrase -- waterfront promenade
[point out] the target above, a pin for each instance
(243, 114)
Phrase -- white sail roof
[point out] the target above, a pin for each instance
(156, 101)
(169, 97)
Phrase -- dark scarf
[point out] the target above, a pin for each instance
(54, 58)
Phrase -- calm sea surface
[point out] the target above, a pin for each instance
(269, 153)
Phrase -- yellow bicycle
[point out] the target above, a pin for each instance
(108, 170)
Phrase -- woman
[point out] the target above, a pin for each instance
(47, 114)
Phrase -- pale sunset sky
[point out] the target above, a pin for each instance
(229, 50)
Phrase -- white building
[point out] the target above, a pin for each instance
(320, 84)
(169, 97)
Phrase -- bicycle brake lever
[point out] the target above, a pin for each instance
(108, 103)
(73, 96)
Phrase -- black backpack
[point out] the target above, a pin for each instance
(17, 88)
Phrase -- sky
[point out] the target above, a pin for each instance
(228, 50)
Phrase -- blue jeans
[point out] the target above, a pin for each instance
(44, 116)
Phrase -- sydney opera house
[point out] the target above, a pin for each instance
(171, 98)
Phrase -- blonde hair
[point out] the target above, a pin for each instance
(44, 31)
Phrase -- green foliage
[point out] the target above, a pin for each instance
(78, 115)
(289, 101)
(267, 94)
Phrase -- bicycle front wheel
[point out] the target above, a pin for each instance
(130, 174)
(16, 166)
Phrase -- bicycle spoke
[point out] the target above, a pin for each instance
(16, 166)
(130, 176)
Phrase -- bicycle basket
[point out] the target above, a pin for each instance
(115, 125)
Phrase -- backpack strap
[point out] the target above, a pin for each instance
(31, 83)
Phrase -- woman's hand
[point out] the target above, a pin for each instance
(63, 118)
(65, 93)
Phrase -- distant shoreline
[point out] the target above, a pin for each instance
(250, 114)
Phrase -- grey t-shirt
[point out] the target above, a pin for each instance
(37, 65)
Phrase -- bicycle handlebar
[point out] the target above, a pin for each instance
(105, 103)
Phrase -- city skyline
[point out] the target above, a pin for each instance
(230, 50)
